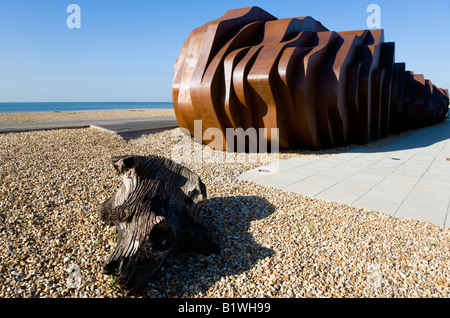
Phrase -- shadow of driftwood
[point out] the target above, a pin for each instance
(228, 219)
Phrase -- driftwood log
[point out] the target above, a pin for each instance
(156, 210)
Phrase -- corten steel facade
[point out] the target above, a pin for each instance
(320, 88)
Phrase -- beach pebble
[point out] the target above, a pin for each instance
(273, 243)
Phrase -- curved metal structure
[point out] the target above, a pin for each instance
(320, 88)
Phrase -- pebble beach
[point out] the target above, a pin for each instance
(274, 244)
(84, 115)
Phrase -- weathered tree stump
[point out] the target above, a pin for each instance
(156, 210)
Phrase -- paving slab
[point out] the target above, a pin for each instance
(409, 178)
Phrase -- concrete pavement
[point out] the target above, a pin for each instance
(409, 178)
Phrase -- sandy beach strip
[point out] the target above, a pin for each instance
(84, 115)
(273, 243)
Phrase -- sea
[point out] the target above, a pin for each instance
(27, 107)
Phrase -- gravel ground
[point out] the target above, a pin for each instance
(274, 243)
(82, 115)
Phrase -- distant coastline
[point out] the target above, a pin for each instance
(31, 107)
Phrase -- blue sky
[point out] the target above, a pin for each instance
(125, 50)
